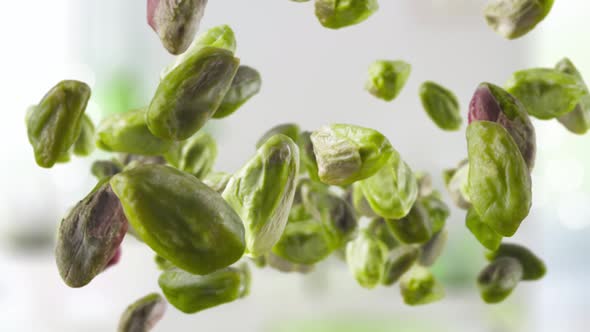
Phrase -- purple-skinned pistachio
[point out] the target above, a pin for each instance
(492, 103)
(90, 236)
(175, 21)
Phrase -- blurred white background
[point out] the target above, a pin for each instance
(312, 76)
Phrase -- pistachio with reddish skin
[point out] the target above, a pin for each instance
(143, 314)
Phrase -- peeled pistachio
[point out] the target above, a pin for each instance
(438, 211)
(245, 85)
(399, 261)
(105, 168)
(336, 14)
(381, 229)
(366, 257)
(262, 192)
(515, 18)
(90, 235)
(217, 181)
(533, 267)
(441, 105)
(499, 278)
(578, 120)
(198, 154)
(387, 78)
(348, 153)
(143, 314)
(175, 22)
(416, 227)
(303, 242)
(418, 286)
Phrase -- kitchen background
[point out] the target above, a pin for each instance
(311, 76)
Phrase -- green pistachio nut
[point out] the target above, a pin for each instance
(387, 78)
(499, 278)
(89, 236)
(128, 132)
(175, 22)
(180, 218)
(85, 142)
(381, 229)
(418, 286)
(189, 95)
(499, 179)
(308, 162)
(366, 257)
(303, 242)
(392, 191)
(54, 125)
(458, 185)
(360, 203)
(198, 154)
(546, 93)
(290, 130)
(349, 153)
(432, 249)
(245, 85)
(441, 105)
(514, 18)
(262, 192)
(143, 314)
(105, 168)
(399, 261)
(533, 267)
(191, 293)
(482, 231)
(217, 181)
(437, 209)
(416, 227)
(492, 103)
(578, 120)
(336, 14)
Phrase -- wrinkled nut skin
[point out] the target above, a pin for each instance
(533, 267)
(415, 228)
(290, 130)
(128, 132)
(418, 286)
(189, 95)
(54, 125)
(349, 153)
(308, 160)
(515, 18)
(387, 78)
(175, 21)
(336, 14)
(303, 242)
(366, 257)
(143, 314)
(180, 218)
(89, 236)
(245, 85)
(499, 180)
(578, 120)
(85, 142)
(441, 105)
(492, 103)
(432, 249)
(191, 293)
(546, 93)
(262, 192)
(398, 263)
(499, 279)
(391, 191)
(198, 154)
(482, 232)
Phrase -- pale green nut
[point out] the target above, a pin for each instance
(336, 14)
(245, 85)
(381, 229)
(533, 266)
(349, 153)
(497, 281)
(546, 93)
(54, 125)
(197, 155)
(217, 181)
(515, 18)
(366, 257)
(128, 132)
(414, 228)
(191, 293)
(180, 218)
(105, 168)
(387, 78)
(290, 130)
(482, 231)
(262, 192)
(85, 142)
(418, 286)
(189, 95)
(391, 191)
(143, 314)
(399, 261)
(441, 105)
(304, 242)
(437, 209)
(499, 179)
(578, 120)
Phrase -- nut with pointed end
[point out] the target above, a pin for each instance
(143, 314)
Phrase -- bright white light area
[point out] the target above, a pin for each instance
(574, 210)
